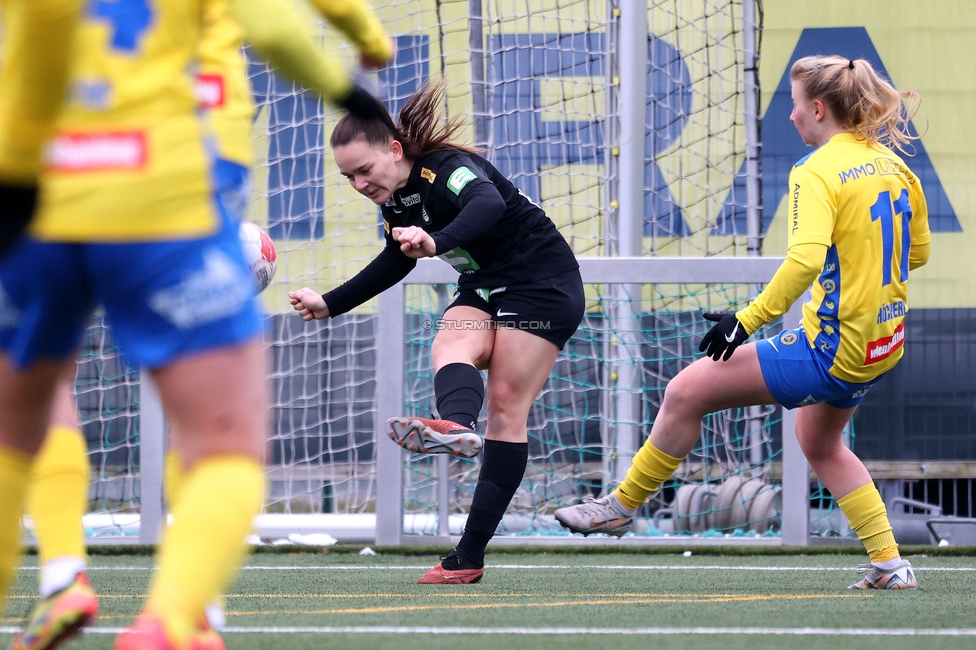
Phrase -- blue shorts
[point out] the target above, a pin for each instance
(232, 183)
(163, 299)
(798, 375)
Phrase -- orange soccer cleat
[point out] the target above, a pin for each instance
(425, 436)
(59, 617)
(148, 633)
(452, 570)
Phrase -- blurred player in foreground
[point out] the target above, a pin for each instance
(131, 220)
(858, 224)
(519, 300)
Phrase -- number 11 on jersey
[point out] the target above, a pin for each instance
(884, 210)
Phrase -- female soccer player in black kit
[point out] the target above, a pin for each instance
(519, 299)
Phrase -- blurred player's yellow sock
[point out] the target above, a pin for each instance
(201, 551)
(173, 478)
(14, 471)
(867, 515)
(57, 496)
(650, 469)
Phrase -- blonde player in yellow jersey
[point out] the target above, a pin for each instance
(33, 82)
(169, 273)
(858, 223)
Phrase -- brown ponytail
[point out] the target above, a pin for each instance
(860, 99)
(420, 128)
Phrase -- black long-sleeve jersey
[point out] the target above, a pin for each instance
(481, 223)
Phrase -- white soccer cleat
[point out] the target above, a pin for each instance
(594, 516)
(901, 577)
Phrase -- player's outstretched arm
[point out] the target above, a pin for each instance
(37, 45)
(37, 48)
(361, 26)
(276, 31)
(309, 305)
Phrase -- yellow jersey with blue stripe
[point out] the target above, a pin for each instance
(221, 83)
(128, 161)
(867, 207)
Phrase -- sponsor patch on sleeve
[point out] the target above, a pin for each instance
(210, 90)
(459, 178)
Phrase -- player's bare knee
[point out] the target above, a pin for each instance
(683, 397)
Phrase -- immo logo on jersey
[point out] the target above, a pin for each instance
(881, 166)
(84, 152)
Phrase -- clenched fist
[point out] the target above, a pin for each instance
(308, 304)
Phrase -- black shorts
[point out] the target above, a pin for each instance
(550, 308)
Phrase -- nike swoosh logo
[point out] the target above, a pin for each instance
(501, 313)
(731, 337)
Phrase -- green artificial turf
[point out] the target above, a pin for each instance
(562, 592)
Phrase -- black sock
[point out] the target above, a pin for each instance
(502, 468)
(460, 392)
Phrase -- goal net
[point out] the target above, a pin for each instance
(539, 85)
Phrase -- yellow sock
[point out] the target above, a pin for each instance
(203, 547)
(174, 476)
(867, 515)
(14, 471)
(57, 495)
(650, 469)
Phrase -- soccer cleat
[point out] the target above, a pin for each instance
(452, 570)
(59, 617)
(147, 633)
(901, 577)
(206, 637)
(594, 516)
(424, 436)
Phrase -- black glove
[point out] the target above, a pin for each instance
(725, 336)
(17, 204)
(362, 103)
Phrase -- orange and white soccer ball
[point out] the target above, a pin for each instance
(259, 253)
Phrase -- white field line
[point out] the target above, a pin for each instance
(755, 631)
(537, 567)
